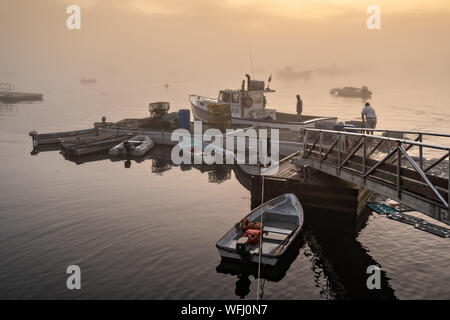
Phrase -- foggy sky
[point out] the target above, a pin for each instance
(141, 40)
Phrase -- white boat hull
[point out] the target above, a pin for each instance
(140, 145)
(200, 113)
(282, 223)
(253, 258)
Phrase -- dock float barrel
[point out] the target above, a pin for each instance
(184, 119)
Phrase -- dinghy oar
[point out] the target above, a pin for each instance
(282, 244)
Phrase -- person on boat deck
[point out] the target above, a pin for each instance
(369, 117)
(299, 107)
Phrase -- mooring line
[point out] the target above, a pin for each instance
(260, 244)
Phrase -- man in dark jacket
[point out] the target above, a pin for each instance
(299, 107)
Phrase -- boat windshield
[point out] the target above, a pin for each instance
(257, 97)
(235, 97)
(224, 96)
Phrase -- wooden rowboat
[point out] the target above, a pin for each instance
(54, 138)
(282, 219)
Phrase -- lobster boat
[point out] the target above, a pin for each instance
(248, 107)
(282, 220)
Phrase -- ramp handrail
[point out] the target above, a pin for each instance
(406, 141)
(401, 150)
(423, 133)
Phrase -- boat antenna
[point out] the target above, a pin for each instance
(251, 61)
(269, 81)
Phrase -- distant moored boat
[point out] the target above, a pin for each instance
(352, 92)
(289, 73)
(88, 81)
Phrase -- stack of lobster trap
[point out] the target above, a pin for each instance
(219, 116)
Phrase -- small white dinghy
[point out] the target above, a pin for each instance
(282, 219)
(139, 145)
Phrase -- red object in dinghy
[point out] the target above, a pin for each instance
(253, 235)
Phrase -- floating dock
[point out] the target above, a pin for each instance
(15, 97)
(355, 160)
(8, 95)
(289, 140)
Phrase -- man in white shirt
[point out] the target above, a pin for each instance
(369, 117)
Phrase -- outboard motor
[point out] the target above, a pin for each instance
(243, 246)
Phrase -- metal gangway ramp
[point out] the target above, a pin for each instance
(386, 163)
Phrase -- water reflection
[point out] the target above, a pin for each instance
(219, 174)
(7, 109)
(160, 166)
(160, 157)
(243, 269)
(328, 239)
(338, 259)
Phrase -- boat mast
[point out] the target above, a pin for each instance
(251, 61)
(242, 99)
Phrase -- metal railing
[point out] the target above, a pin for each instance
(387, 131)
(420, 137)
(353, 151)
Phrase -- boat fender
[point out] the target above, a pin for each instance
(248, 102)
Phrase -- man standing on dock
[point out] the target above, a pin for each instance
(299, 107)
(369, 117)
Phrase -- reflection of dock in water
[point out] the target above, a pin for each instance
(243, 270)
(329, 240)
(329, 235)
(159, 157)
(316, 191)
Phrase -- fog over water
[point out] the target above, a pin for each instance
(142, 42)
(134, 46)
(137, 234)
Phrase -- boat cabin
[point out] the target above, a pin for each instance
(248, 103)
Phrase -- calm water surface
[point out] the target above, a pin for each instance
(141, 234)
